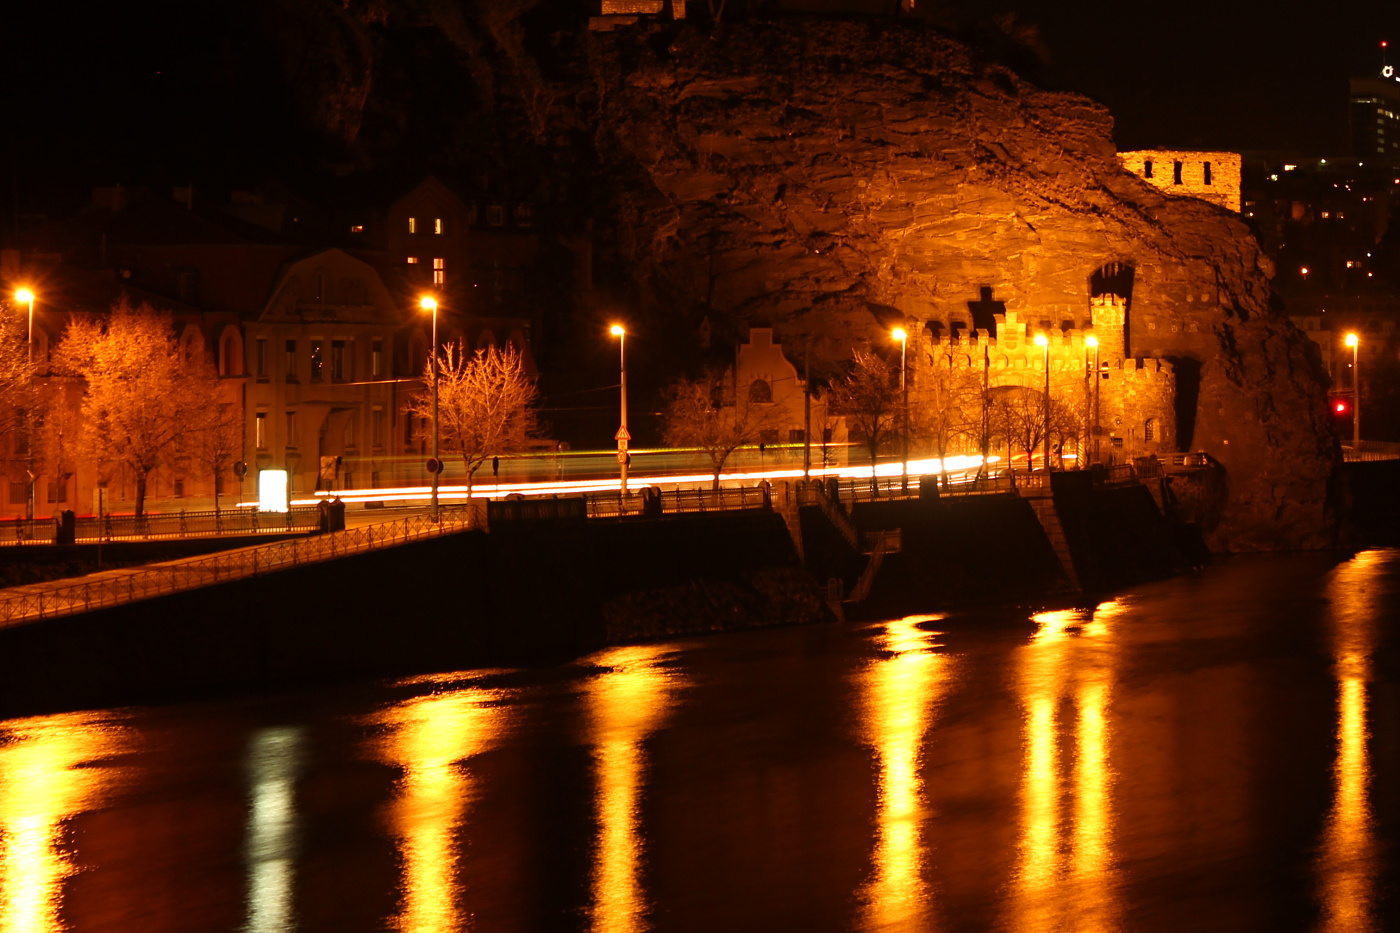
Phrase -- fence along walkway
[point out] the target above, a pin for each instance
(115, 587)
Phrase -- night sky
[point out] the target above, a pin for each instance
(163, 92)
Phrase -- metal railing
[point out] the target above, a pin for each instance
(1371, 451)
(158, 525)
(45, 601)
(674, 501)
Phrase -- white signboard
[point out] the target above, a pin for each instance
(272, 491)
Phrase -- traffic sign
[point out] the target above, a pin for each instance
(622, 434)
(434, 465)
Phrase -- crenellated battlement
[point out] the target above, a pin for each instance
(1014, 347)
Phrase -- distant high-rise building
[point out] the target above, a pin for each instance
(1373, 114)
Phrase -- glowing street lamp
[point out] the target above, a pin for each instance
(26, 297)
(902, 335)
(1093, 342)
(1042, 341)
(1354, 342)
(622, 437)
(429, 303)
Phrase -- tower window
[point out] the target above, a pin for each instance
(1149, 429)
(1205, 168)
(1147, 169)
(1176, 173)
(439, 270)
(413, 225)
(437, 226)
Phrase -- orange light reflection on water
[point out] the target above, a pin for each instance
(47, 775)
(625, 705)
(900, 693)
(430, 738)
(1065, 877)
(1347, 862)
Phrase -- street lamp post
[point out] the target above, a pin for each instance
(26, 296)
(902, 336)
(429, 303)
(1354, 342)
(1093, 342)
(1043, 342)
(620, 332)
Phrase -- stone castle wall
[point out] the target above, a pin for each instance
(1136, 397)
(1211, 176)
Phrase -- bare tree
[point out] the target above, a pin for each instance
(143, 393)
(869, 397)
(703, 413)
(486, 403)
(946, 409)
(215, 442)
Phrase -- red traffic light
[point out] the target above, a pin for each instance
(1340, 406)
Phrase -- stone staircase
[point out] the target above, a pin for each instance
(1044, 507)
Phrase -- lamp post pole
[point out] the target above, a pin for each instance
(1355, 343)
(622, 436)
(902, 336)
(27, 296)
(428, 303)
(1044, 342)
(1094, 342)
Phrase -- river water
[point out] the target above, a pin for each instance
(1215, 752)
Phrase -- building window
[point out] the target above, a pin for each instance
(437, 226)
(180, 488)
(58, 492)
(260, 358)
(439, 270)
(1176, 173)
(291, 361)
(338, 360)
(797, 436)
(376, 427)
(1147, 169)
(260, 431)
(496, 215)
(1205, 171)
(291, 429)
(524, 216)
(760, 391)
(1149, 429)
(413, 225)
(412, 260)
(19, 493)
(376, 356)
(318, 359)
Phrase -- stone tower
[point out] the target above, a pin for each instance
(1109, 317)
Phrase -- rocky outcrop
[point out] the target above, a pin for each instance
(828, 178)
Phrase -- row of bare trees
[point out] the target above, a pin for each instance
(127, 396)
(951, 411)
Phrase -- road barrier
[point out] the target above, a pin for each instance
(163, 525)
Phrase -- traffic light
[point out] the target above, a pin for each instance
(1341, 407)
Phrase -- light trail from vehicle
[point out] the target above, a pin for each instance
(956, 466)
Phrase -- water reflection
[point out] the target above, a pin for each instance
(1065, 878)
(49, 771)
(900, 692)
(1346, 865)
(273, 762)
(429, 738)
(625, 705)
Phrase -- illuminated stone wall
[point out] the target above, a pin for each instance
(1137, 397)
(1209, 175)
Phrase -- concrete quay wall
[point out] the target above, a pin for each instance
(530, 591)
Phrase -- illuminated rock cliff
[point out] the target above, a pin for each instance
(829, 178)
